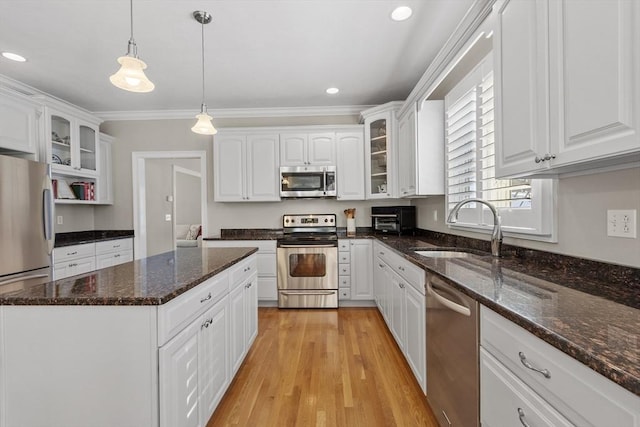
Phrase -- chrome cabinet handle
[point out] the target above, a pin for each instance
(72, 253)
(544, 158)
(521, 416)
(207, 298)
(523, 359)
(401, 285)
(381, 265)
(206, 323)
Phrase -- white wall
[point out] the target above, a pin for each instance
(583, 202)
(187, 198)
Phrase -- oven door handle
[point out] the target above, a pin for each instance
(308, 293)
(306, 245)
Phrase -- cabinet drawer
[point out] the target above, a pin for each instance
(267, 265)
(72, 267)
(344, 257)
(114, 258)
(241, 272)
(507, 401)
(344, 281)
(343, 245)
(179, 312)
(266, 246)
(571, 387)
(344, 269)
(118, 245)
(74, 252)
(413, 274)
(344, 293)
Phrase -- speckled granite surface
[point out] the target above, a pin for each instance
(587, 309)
(80, 237)
(596, 330)
(151, 281)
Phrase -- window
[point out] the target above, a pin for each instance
(526, 206)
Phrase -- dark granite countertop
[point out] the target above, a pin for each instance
(81, 237)
(150, 281)
(557, 305)
(587, 309)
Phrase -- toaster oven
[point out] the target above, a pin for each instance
(397, 220)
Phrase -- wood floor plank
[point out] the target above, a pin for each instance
(323, 368)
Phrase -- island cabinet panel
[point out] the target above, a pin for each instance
(76, 366)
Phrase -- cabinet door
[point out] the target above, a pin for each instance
(268, 288)
(60, 136)
(87, 144)
(361, 259)
(251, 311)
(322, 149)
(238, 327)
(407, 154)
(18, 124)
(350, 155)
(380, 286)
(378, 136)
(229, 168)
(597, 92)
(521, 83)
(415, 349)
(213, 361)
(293, 149)
(178, 359)
(104, 182)
(262, 172)
(397, 308)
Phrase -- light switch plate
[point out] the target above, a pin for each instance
(622, 223)
(167, 217)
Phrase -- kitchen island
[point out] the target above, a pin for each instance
(151, 342)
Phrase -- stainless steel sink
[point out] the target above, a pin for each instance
(444, 254)
(447, 252)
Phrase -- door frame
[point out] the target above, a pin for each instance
(138, 164)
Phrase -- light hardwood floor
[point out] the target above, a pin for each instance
(329, 368)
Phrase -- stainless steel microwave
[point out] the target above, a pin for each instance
(308, 181)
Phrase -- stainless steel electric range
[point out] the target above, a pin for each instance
(308, 262)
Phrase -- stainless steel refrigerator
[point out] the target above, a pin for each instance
(26, 224)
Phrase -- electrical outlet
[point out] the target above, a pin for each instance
(59, 220)
(167, 217)
(622, 223)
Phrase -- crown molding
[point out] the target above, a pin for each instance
(226, 113)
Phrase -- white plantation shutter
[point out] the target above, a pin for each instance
(470, 162)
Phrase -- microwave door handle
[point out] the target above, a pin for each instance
(324, 181)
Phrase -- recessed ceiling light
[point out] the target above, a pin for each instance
(333, 90)
(401, 13)
(14, 57)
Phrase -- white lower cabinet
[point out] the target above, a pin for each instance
(524, 380)
(267, 273)
(355, 280)
(400, 297)
(243, 299)
(78, 259)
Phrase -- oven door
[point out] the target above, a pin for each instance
(310, 267)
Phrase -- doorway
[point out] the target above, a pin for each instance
(142, 162)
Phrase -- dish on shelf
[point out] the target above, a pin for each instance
(67, 162)
(56, 159)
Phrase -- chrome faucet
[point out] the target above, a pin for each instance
(496, 236)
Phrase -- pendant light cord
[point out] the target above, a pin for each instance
(131, 16)
(202, 27)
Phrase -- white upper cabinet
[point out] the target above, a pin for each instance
(350, 175)
(421, 150)
(308, 149)
(246, 167)
(380, 145)
(567, 80)
(19, 123)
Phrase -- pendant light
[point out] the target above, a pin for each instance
(131, 75)
(203, 126)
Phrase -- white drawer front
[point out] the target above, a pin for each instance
(344, 281)
(344, 269)
(571, 387)
(265, 246)
(111, 259)
(72, 267)
(179, 312)
(343, 246)
(240, 273)
(267, 265)
(117, 245)
(344, 293)
(344, 257)
(74, 252)
(507, 401)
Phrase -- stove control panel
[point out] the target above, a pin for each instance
(298, 220)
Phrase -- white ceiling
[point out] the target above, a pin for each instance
(259, 53)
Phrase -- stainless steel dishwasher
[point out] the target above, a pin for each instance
(453, 378)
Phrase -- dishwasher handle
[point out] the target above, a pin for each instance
(465, 311)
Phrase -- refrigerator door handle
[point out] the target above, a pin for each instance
(47, 214)
(23, 278)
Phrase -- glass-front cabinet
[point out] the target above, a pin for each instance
(73, 144)
(379, 127)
